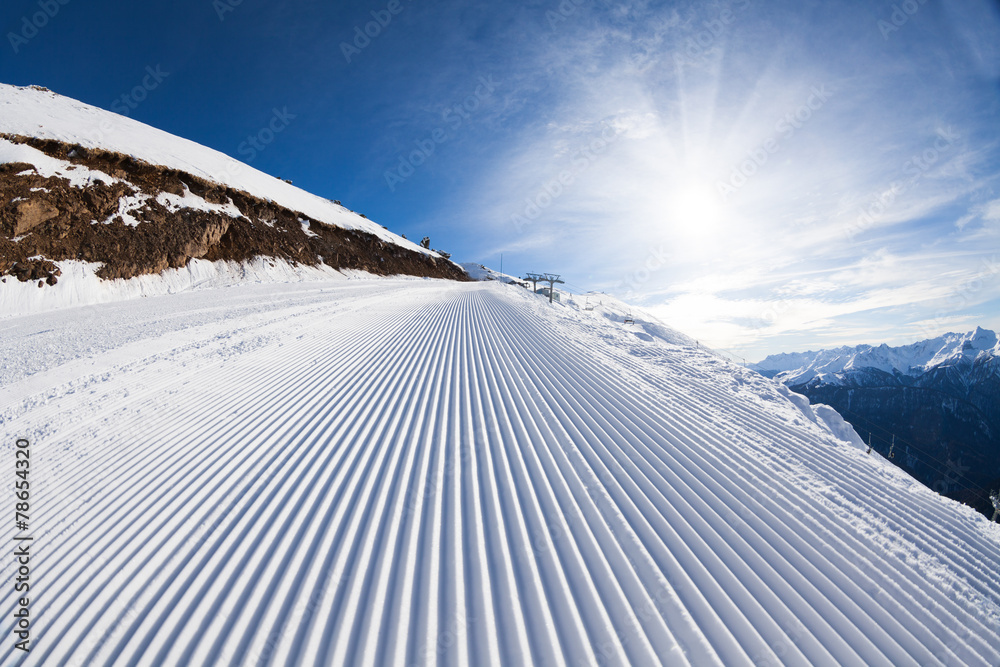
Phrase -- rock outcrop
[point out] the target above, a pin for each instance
(145, 219)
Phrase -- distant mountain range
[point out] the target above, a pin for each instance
(939, 399)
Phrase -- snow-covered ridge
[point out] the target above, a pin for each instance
(81, 176)
(482, 272)
(914, 359)
(94, 197)
(34, 112)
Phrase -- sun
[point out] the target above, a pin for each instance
(694, 211)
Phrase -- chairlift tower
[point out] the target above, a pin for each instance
(552, 279)
(534, 278)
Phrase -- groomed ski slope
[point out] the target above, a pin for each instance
(420, 472)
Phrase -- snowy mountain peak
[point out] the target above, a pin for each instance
(984, 340)
(911, 360)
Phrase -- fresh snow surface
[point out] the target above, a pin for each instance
(915, 359)
(79, 285)
(387, 472)
(825, 415)
(36, 113)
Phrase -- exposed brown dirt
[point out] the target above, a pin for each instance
(45, 220)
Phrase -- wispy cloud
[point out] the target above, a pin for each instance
(854, 167)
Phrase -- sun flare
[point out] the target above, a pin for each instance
(695, 212)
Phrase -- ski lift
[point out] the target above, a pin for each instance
(629, 319)
(892, 454)
(587, 306)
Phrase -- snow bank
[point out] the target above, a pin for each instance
(837, 425)
(80, 286)
(823, 416)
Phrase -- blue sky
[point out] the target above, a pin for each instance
(765, 176)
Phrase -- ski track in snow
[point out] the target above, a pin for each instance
(409, 473)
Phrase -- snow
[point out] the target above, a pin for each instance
(483, 272)
(306, 228)
(127, 205)
(837, 425)
(424, 472)
(267, 463)
(824, 416)
(79, 285)
(43, 114)
(45, 166)
(190, 200)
